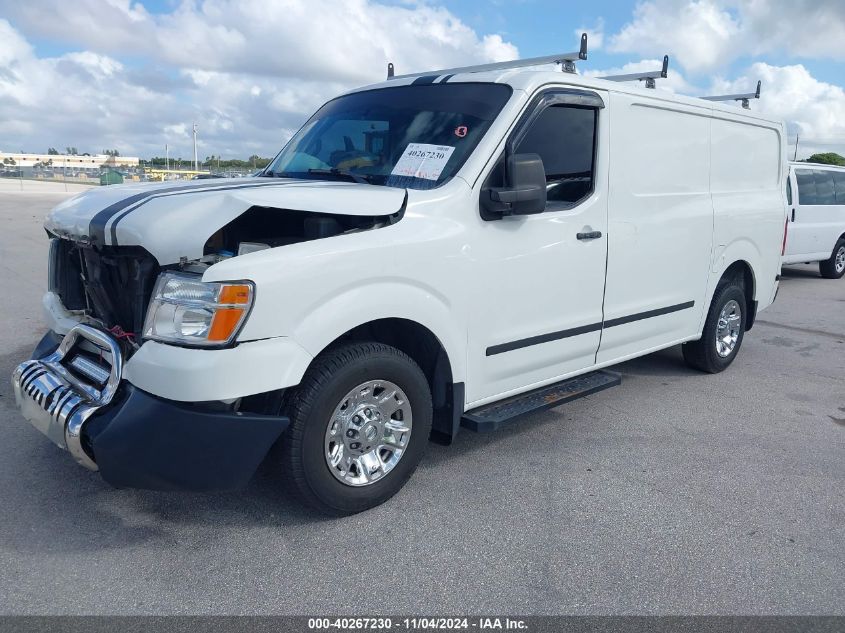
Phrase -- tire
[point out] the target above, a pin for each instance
(316, 402)
(834, 268)
(704, 354)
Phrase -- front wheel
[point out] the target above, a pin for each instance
(834, 268)
(723, 331)
(360, 421)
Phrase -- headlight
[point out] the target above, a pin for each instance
(185, 310)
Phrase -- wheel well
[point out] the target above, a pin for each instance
(425, 349)
(741, 271)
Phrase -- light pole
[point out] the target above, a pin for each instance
(195, 147)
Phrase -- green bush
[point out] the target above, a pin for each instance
(829, 158)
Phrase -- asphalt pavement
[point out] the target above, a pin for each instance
(676, 492)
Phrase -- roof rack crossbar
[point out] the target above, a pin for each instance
(647, 77)
(566, 60)
(744, 98)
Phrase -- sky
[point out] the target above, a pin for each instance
(134, 75)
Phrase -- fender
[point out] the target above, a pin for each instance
(740, 250)
(315, 292)
(393, 298)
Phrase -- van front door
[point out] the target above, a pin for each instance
(538, 300)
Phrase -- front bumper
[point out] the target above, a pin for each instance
(133, 438)
(56, 400)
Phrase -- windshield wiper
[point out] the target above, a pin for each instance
(334, 171)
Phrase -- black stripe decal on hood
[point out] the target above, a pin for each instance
(165, 194)
(121, 208)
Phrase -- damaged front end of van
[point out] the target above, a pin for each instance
(142, 374)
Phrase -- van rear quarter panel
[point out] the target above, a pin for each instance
(748, 168)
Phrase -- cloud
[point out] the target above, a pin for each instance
(250, 71)
(79, 95)
(698, 34)
(284, 39)
(813, 108)
(803, 28)
(247, 71)
(706, 35)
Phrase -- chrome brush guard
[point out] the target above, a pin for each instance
(53, 395)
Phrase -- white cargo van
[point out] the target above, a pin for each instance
(816, 198)
(445, 250)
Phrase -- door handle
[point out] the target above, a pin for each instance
(793, 215)
(590, 235)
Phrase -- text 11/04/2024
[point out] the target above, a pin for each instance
(417, 624)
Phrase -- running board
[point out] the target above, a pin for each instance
(490, 417)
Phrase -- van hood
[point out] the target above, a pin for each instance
(173, 220)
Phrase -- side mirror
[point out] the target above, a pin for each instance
(525, 191)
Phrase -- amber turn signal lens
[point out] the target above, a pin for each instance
(234, 294)
(224, 323)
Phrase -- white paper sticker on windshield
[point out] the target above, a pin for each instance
(422, 160)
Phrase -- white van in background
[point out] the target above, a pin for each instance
(816, 197)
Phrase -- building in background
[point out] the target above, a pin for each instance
(70, 161)
(86, 169)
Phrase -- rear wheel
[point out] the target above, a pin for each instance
(723, 331)
(834, 268)
(360, 421)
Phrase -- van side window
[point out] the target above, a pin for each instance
(788, 191)
(825, 193)
(806, 186)
(565, 138)
(839, 185)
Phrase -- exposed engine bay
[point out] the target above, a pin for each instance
(110, 284)
(113, 284)
(270, 228)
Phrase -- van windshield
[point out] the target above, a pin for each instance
(415, 136)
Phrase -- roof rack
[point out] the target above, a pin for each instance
(566, 60)
(647, 77)
(740, 97)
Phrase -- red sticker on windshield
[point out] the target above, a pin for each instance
(461, 131)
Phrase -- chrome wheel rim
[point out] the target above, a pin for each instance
(368, 433)
(839, 262)
(727, 329)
